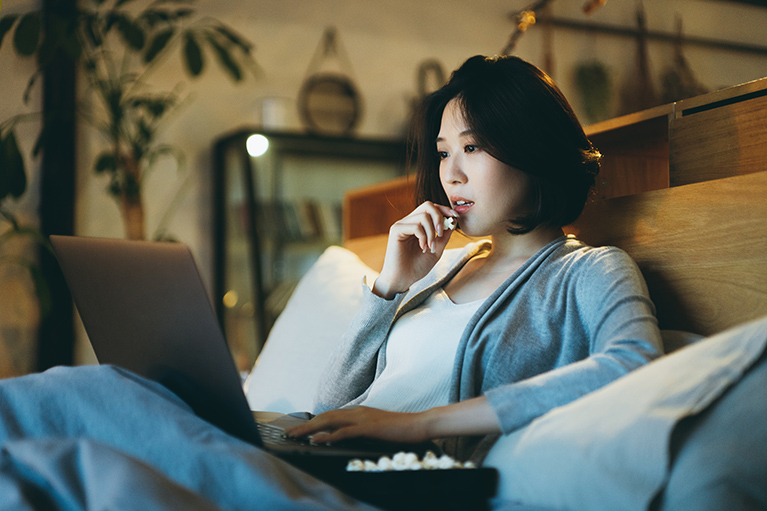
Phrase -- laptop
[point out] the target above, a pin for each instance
(145, 309)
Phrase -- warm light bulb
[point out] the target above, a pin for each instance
(230, 299)
(257, 145)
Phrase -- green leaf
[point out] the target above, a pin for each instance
(192, 55)
(152, 17)
(182, 13)
(156, 108)
(106, 162)
(131, 32)
(41, 138)
(6, 23)
(91, 25)
(13, 176)
(112, 18)
(225, 59)
(113, 99)
(115, 189)
(30, 84)
(158, 44)
(27, 34)
(238, 41)
(144, 135)
(41, 289)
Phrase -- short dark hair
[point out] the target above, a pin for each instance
(521, 118)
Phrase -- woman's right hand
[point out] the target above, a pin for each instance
(415, 245)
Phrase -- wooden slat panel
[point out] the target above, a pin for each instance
(371, 210)
(701, 247)
(725, 141)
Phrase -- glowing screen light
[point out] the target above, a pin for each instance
(257, 145)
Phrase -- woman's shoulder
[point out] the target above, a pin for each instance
(571, 244)
(576, 254)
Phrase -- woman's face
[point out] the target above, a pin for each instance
(485, 192)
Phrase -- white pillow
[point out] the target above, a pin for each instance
(285, 376)
(676, 339)
(610, 449)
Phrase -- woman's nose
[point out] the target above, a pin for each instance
(451, 171)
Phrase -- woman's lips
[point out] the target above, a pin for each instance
(462, 206)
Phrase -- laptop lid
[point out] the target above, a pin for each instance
(145, 308)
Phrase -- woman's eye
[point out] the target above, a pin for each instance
(442, 155)
(470, 148)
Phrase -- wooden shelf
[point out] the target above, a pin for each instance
(635, 150)
(707, 137)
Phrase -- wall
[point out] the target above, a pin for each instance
(385, 42)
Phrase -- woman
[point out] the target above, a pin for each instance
(482, 341)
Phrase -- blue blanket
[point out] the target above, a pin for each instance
(98, 437)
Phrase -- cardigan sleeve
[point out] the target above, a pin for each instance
(609, 298)
(353, 364)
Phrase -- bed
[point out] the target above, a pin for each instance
(685, 432)
(702, 250)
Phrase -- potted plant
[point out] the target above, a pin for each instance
(13, 184)
(117, 45)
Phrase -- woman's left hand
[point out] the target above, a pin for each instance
(362, 421)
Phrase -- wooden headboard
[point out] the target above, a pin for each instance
(701, 247)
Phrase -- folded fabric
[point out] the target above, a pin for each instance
(610, 450)
(719, 457)
(73, 474)
(75, 437)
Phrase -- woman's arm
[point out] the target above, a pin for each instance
(353, 364)
(610, 298)
(415, 245)
(471, 417)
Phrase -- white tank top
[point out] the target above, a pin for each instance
(420, 355)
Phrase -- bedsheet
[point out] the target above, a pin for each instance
(99, 437)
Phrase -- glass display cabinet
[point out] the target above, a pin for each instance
(277, 206)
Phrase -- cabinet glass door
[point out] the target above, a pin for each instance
(275, 213)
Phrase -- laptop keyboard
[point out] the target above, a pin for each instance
(275, 435)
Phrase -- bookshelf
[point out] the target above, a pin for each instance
(275, 214)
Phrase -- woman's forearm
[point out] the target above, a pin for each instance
(472, 417)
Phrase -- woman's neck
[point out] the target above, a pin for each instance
(509, 249)
(484, 273)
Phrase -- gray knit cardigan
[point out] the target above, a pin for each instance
(572, 319)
